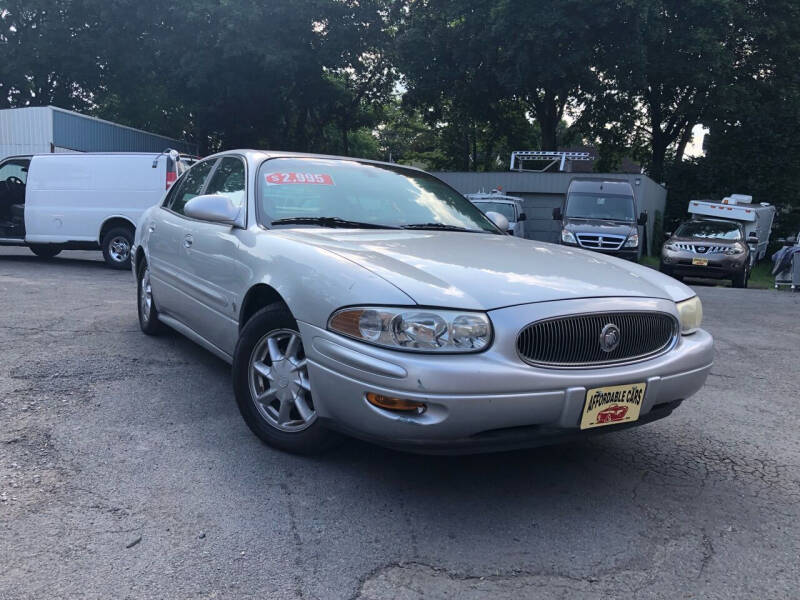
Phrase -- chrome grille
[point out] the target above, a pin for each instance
(600, 242)
(700, 248)
(574, 341)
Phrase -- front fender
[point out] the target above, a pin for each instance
(313, 281)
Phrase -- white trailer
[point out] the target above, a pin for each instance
(756, 219)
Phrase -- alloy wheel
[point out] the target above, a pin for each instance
(119, 249)
(279, 384)
(145, 295)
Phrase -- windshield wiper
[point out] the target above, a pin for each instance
(442, 227)
(330, 222)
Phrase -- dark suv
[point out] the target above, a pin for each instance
(708, 248)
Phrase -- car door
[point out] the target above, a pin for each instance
(218, 277)
(169, 233)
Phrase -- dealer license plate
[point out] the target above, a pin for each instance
(612, 405)
(700, 262)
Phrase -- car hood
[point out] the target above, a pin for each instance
(599, 226)
(484, 271)
(703, 241)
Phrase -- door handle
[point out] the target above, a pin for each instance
(188, 240)
(152, 228)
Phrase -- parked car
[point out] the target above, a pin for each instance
(755, 219)
(712, 248)
(52, 202)
(373, 299)
(601, 215)
(510, 207)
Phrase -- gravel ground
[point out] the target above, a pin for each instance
(126, 472)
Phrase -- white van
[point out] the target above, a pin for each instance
(511, 207)
(52, 202)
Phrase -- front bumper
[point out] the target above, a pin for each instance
(491, 400)
(720, 266)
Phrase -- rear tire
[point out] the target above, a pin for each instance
(271, 384)
(117, 244)
(46, 251)
(148, 314)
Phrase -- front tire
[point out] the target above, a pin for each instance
(271, 384)
(117, 244)
(740, 279)
(148, 314)
(46, 251)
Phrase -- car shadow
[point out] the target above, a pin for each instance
(60, 261)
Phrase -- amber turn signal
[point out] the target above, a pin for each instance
(396, 404)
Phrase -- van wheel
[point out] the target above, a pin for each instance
(148, 314)
(271, 384)
(117, 245)
(46, 250)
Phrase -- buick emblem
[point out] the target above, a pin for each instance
(609, 338)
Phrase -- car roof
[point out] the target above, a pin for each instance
(252, 154)
(609, 186)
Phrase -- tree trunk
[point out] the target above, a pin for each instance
(474, 148)
(658, 156)
(548, 110)
(684, 140)
(345, 141)
(548, 125)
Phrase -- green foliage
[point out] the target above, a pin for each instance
(445, 84)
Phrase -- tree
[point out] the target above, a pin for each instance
(48, 54)
(659, 79)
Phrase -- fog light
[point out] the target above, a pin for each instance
(396, 404)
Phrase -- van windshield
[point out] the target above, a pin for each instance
(504, 208)
(615, 207)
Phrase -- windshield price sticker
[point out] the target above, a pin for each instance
(293, 178)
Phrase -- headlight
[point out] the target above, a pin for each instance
(568, 237)
(632, 241)
(690, 313)
(671, 247)
(420, 330)
(735, 249)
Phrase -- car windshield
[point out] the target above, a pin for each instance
(715, 230)
(616, 207)
(504, 208)
(342, 192)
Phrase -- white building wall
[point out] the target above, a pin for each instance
(25, 131)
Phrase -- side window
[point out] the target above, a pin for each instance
(173, 191)
(228, 180)
(16, 168)
(190, 185)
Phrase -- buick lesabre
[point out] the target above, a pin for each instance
(373, 300)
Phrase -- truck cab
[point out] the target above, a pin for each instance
(601, 215)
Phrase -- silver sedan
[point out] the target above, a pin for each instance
(373, 300)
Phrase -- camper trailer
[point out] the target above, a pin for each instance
(755, 219)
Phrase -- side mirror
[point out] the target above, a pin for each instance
(557, 214)
(522, 217)
(214, 208)
(643, 219)
(499, 220)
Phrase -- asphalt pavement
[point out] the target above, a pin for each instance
(127, 472)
